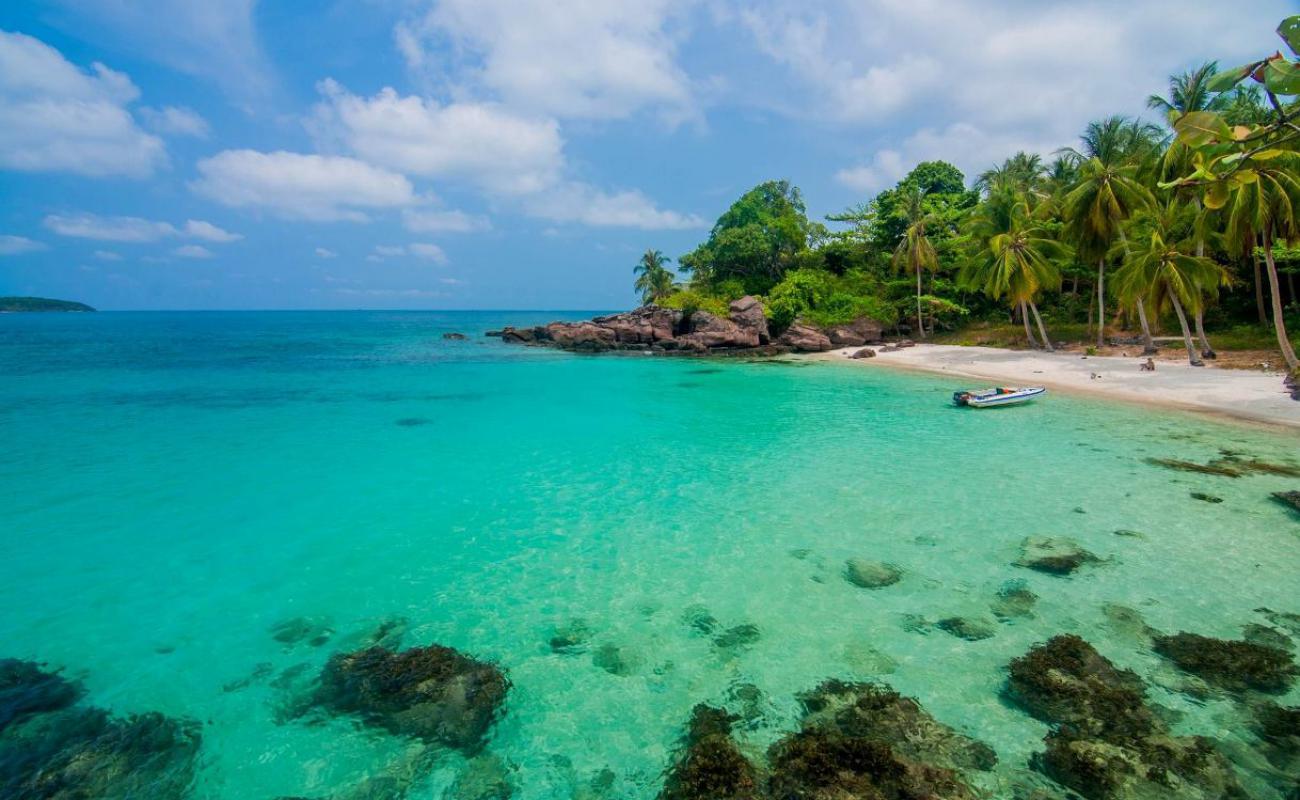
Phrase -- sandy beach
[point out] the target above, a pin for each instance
(1242, 394)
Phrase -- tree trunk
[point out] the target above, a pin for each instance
(1148, 344)
(1047, 343)
(1187, 334)
(1101, 302)
(1279, 325)
(1024, 317)
(1259, 287)
(1206, 350)
(920, 321)
(1090, 308)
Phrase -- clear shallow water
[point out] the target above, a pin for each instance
(173, 485)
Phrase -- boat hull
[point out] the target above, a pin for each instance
(995, 399)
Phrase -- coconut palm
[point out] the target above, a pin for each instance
(915, 251)
(1263, 207)
(1023, 172)
(654, 280)
(1188, 92)
(1018, 259)
(1162, 271)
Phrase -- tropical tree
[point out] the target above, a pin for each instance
(1106, 194)
(1018, 258)
(1163, 272)
(1189, 91)
(915, 251)
(654, 280)
(1023, 172)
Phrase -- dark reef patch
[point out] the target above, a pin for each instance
(413, 422)
(434, 693)
(1214, 468)
(1232, 665)
(1054, 555)
(26, 689)
(710, 766)
(1206, 498)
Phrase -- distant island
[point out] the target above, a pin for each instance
(10, 305)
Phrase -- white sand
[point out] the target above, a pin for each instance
(1244, 394)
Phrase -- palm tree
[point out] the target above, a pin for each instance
(1161, 270)
(915, 251)
(1023, 172)
(1188, 92)
(654, 279)
(1264, 209)
(1107, 192)
(1019, 259)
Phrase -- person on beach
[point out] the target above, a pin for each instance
(1147, 366)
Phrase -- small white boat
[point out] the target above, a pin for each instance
(999, 396)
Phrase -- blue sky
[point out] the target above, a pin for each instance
(513, 153)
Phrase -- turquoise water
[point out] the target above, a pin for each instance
(174, 485)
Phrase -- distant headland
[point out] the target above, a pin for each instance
(11, 305)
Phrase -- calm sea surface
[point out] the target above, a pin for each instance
(174, 486)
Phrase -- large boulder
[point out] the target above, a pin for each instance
(747, 312)
(434, 693)
(707, 331)
(805, 338)
(868, 574)
(710, 766)
(586, 336)
(860, 331)
(646, 325)
(1233, 665)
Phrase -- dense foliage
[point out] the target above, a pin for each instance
(15, 304)
(1173, 228)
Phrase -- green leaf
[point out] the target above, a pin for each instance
(1201, 127)
(1216, 195)
(1223, 81)
(1282, 77)
(1289, 30)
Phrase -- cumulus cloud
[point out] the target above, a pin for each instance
(483, 143)
(324, 252)
(584, 60)
(299, 186)
(133, 229)
(454, 221)
(56, 117)
(389, 250)
(429, 251)
(581, 203)
(192, 251)
(176, 121)
(11, 245)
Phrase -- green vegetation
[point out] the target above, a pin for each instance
(14, 304)
(1191, 228)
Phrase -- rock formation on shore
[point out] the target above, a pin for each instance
(667, 330)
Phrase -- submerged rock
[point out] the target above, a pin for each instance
(710, 766)
(616, 660)
(1014, 600)
(737, 637)
(388, 634)
(1054, 555)
(315, 631)
(972, 629)
(1289, 499)
(26, 689)
(434, 693)
(869, 574)
(1127, 622)
(454, 337)
(1266, 636)
(87, 754)
(1108, 744)
(1206, 498)
(824, 765)
(700, 620)
(1278, 729)
(1228, 664)
(1220, 469)
(484, 777)
(570, 637)
(865, 659)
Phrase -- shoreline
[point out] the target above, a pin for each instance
(1239, 395)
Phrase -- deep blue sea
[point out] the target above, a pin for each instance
(174, 486)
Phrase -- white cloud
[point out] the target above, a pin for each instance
(133, 229)
(454, 221)
(585, 204)
(199, 229)
(483, 143)
(176, 121)
(109, 229)
(432, 252)
(322, 252)
(192, 251)
(107, 255)
(389, 250)
(55, 117)
(587, 59)
(16, 245)
(298, 186)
